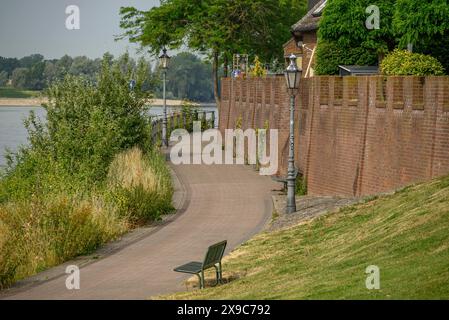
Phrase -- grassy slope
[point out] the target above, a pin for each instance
(8, 92)
(406, 235)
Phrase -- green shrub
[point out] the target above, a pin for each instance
(405, 63)
(330, 55)
(189, 112)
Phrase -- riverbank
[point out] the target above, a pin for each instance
(22, 102)
(5, 102)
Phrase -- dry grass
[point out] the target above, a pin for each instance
(43, 233)
(130, 170)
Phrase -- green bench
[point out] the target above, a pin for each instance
(212, 259)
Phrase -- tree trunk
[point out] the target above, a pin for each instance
(215, 76)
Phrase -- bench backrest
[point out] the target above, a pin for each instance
(214, 254)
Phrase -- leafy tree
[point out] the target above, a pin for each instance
(217, 28)
(425, 24)
(29, 61)
(190, 78)
(84, 66)
(63, 66)
(35, 76)
(3, 78)
(19, 77)
(39, 73)
(8, 65)
(343, 22)
(50, 72)
(343, 35)
(417, 21)
(152, 79)
(126, 63)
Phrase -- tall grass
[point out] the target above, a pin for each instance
(45, 232)
(89, 174)
(140, 185)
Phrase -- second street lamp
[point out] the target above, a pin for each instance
(164, 61)
(292, 77)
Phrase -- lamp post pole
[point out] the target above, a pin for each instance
(164, 60)
(293, 77)
(291, 179)
(164, 121)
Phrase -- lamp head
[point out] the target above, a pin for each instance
(292, 74)
(164, 59)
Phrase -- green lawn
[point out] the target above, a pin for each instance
(8, 92)
(406, 235)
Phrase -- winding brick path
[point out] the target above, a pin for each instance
(218, 202)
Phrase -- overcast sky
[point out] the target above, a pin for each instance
(39, 26)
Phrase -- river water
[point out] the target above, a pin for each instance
(13, 132)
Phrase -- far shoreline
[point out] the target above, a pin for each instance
(37, 102)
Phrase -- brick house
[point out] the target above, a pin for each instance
(304, 37)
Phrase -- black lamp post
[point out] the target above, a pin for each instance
(164, 61)
(292, 77)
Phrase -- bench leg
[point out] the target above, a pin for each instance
(202, 280)
(217, 273)
(220, 273)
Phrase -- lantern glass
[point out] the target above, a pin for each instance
(293, 74)
(164, 59)
(290, 78)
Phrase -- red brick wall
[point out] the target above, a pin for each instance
(354, 135)
(291, 47)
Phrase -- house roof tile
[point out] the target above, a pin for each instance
(310, 21)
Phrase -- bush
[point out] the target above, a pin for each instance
(405, 63)
(330, 55)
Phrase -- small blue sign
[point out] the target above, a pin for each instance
(132, 84)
